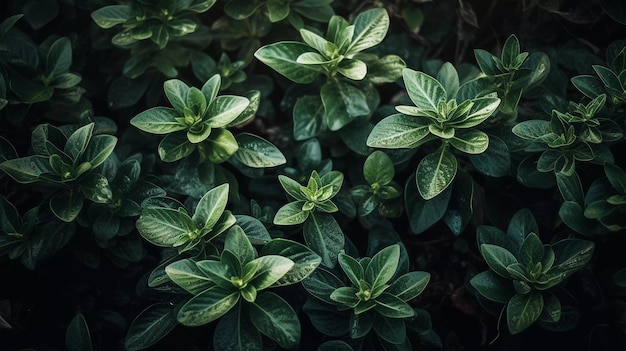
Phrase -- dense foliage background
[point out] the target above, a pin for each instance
(312, 175)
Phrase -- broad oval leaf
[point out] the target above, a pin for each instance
(282, 58)
(150, 326)
(352, 69)
(158, 120)
(207, 306)
(370, 28)
(398, 131)
(291, 214)
(383, 266)
(273, 317)
(492, 286)
(324, 236)
(498, 258)
(435, 173)
(270, 269)
(77, 337)
(109, 16)
(342, 103)
(164, 226)
(393, 307)
(523, 310)
(470, 141)
(408, 286)
(305, 260)
(378, 168)
(225, 109)
(424, 90)
(211, 206)
(186, 274)
(257, 152)
(176, 92)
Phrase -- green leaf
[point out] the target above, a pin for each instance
(99, 149)
(352, 69)
(486, 62)
(291, 187)
(59, 58)
(257, 152)
(334, 345)
(470, 141)
(435, 173)
(273, 317)
(237, 242)
(150, 326)
(221, 272)
(391, 330)
(352, 268)
(207, 306)
(424, 90)
(225, 109)
(323, 235)
(345, 296)
(409, 286)
(616, 177)
(383, 266)
(270, 269)
(176, 92)
(481, 109)
(112, 15)
(393, 307)
(398, 131)
(523, 310)
(304, 259)
(531, 252)
(386, 69)
(608, 77)
(449, 79)
(492, 286)
(590, 86)
(66, 205)
(220, 146)
(370, 28)
(424, 213)
(291, 214)
(327, 49)
(96, 188)
(175, 147)
(572, 255)
(77, 336)
(498, 258)
(27, 169)
(277, 10)
(308, 117)
(342, 103)
(378, 169)
(211, 206)
(186, 274)
(495, 161)
(510, 51)
(235, 332)
(164, 226)
(282, 58)
(321, 283)
(361, 323)
(522, 223)
(211, 88)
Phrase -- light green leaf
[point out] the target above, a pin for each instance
(225, 109)
(176, 92)
(186, 274)
(345, 296)
(211, 88)
(175, 147)
(532, 129)
(282, 58)
(326, 48)
(304, 259)
(112, 15)
(323, 235)
(523, 310)
(435, 173)
(370, 28)
(291, 214)
(449, 79)
(378, 169)
(480, 111)
(342, 103)
(78, 141)
(273, 317)
(424, 90)
(164, 226)
(392, 307)
(207, 306)
(257, 152)
(238, 243)
(158, 120)
(352, 69)
(291, 187)
(470, 141)
(383, 266)
(270, 269)
(277, 10)
(211, 206)
(409, 285)
(498, 258)
(398, 131)
(352, 268)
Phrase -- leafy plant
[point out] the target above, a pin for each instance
(378, 171)
(350, 75)
(524, 272)
(67, 160)
(442, 111)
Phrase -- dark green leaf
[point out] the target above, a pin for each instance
(257, 152)
(409, 285)
(66, 205)
(523, 310)
(492, 286)
(150, 326)
(323, 235)
(435, 173)
(498, 258)
(273, 317)
(342, 103)
(235, 332)
(186, 274)
(304, 259)
(77, 336)
(207, 306)
(282, 58)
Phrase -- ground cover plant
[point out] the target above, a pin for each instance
(312, 175)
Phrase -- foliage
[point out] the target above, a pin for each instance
(312, 175)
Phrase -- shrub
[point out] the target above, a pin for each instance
(312, 175)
